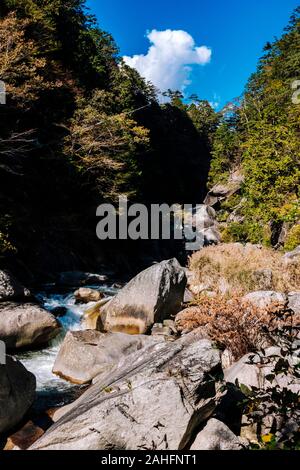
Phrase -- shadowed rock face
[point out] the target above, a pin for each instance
(155, 400)
(25, 437)
(17, 392)
(152, 296)
(25, 325)
(86, 354)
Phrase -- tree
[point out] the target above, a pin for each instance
(106, 146)
(263, 140)
(22, 68)
(204, 118)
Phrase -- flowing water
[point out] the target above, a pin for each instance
(53, 391)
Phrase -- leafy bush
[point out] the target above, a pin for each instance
(293, 238)
(245, 232)
(273, 411)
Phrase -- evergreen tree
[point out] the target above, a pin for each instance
(262, 139)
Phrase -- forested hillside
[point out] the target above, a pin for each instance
(260, 135)
(80, 127)
(146, 344)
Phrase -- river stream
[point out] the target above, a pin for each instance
(52, 391)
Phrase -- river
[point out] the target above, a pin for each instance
(52, 391)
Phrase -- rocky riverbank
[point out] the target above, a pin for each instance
(168, 363)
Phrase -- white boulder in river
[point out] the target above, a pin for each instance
(23, 325)
(150, 297)
(89, 353)
(85, 295)
(157, 399)
(17, 392)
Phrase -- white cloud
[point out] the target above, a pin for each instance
(168, 61)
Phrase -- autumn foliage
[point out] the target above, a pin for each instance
(235, 323)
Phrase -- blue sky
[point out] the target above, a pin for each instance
(234, 30)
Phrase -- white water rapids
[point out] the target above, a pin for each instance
(52, 390)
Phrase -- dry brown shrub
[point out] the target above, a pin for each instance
(240, 269)
(236, 324)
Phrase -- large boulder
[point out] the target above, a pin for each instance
(204, 216)
(26, 325)
(203, 225)
(272, 379)
(91, 314)
(152, 296)
(156, 399)
(89, 353)
(10, 288)
(294, 302)
(292, 256)
(216, 436)
(17, 392)
(257, 370)
(264, 299)
(222, 191)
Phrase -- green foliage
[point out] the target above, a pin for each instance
(80, 126)
(106, 146)
(204, 118)
(226, 151)
(68, 35)
(293, 238)
(130, 91)
(273, 410)
(243, 232)
(260, 135)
